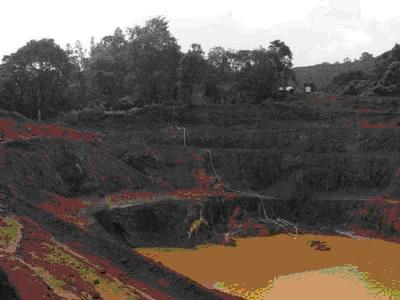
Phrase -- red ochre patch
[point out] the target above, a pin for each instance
(392, 124)
(388, 211)
(67, 209)
(47, 269)
(202, 179)
(179, 194)
(12, 132)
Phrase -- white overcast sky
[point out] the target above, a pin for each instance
(316, 30)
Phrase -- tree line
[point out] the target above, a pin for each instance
(141, 65)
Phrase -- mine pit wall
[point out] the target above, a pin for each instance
(308, 140)
(246, 116)
(260, 170)
(168, 223)
(311, 140)
(217, 115)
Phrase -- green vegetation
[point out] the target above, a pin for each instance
(323, 74)
(380, 75)
(141, 65)
(35, 78)
(9, 228)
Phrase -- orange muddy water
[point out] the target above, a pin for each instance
(282, 267)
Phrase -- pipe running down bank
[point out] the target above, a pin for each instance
(280, 222)
(184, 134)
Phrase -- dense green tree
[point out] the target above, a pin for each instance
(390, 81)
(283, 53)
(366, 56)
(78, 55)
(220, 81)
(141, 66)
(191, 72)
(108, 67)
(154, 56)
(281, 56)
(259, 77)
(383, 62)
(78, 91)
(218, 57)
(7, 99)
(36, 78)
(249, 75)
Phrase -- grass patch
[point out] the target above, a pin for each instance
(9, 229)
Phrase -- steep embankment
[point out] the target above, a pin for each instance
(82, 199)
(52, 178)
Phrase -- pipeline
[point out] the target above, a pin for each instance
(262, 214)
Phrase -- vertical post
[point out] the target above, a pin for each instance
(184, 136)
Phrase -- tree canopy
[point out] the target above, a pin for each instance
(140, 65)
(36, 77)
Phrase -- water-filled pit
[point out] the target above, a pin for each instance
(282, 267)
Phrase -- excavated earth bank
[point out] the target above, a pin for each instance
(94, 186)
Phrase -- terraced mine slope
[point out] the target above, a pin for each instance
(80, 196)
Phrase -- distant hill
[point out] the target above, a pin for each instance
(323, 74)
(379, 75)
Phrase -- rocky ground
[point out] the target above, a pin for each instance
(79, 194)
